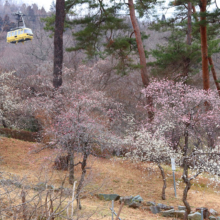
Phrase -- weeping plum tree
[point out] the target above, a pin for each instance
(84, 133)
(193, 121)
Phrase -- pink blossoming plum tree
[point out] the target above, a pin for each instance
(81, 121)
(194, 114)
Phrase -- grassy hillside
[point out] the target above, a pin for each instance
(113, 175)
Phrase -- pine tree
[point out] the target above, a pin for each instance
(104, 22)
(103, 32)
(53, 7)
(31, 14)
(189, 36)
(213, 46)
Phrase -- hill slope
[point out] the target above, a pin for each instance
(113, 175)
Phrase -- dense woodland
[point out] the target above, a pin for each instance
(119, 78)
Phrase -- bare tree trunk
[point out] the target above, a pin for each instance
(24, 207)
(185, 175)
(214, 74)
(58, 43)
(211, 63)
(143, 63)
(211, 142)
(185, 192)
(51, 208)
(186, 146)
(80, 186)
(71, 165)
(46, 208)
(14, 215)
(204, 45)
(164, 182)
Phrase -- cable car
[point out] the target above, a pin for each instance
(21, 33)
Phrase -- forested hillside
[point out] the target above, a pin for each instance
(103, 82)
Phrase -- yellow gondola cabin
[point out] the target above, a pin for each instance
(19, 35)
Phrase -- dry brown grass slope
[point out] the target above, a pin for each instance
(105, 176)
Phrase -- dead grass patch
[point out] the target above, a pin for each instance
(113, 175)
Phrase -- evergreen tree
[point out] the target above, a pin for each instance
(43, 11)
(97, 36)
(31, 14)
(104, 22)
(53, 7)
(213, 45)
(103, 32)
(176, 60)
(182, 55)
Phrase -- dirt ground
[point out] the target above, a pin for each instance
(115, 175)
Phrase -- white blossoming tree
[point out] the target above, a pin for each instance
(151, 146)
(11, 102)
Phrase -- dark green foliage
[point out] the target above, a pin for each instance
(176, 58)
(105, 33)
(120, 49)
(101, 33)
(143, 6)
(29, 123)
(214, 47)
(49, 23)
(50, 20)
(94, 29)
(171, 58)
